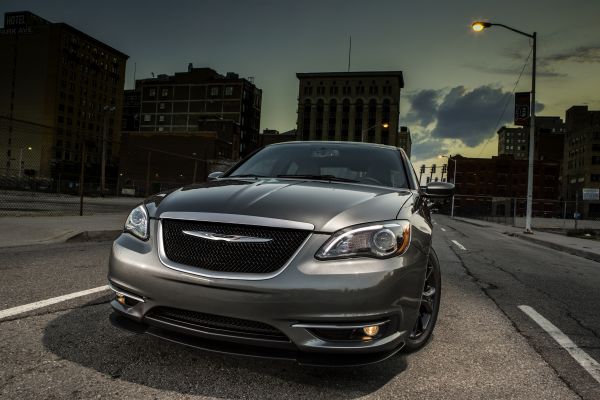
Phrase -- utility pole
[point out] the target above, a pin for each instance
(148, 173)
(81, 177)
(531, 144)
(107, 109)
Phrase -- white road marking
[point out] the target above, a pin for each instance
(587, 362)
(443, 230)
(9, 312)
(460, 246)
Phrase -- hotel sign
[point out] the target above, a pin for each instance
(16, 23)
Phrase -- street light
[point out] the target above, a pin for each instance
(384, 125)
(478, 26)
(21, 159)
(106, 110)
(450, 158)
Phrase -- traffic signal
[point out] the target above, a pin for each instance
(423, 168)
(444, 168)
(433, 169)
(428, 179)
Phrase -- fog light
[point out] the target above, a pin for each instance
(121, 299)
(371, 331)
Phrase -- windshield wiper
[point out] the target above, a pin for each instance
(319, 177)
(246, 176)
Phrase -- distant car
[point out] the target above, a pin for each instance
(314, 251)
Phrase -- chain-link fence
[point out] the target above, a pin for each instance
(546, 213)
(45, 170)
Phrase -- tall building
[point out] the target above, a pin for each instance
(349, 106)
(549, 138)
(179, 128)
(58, 88)
(581, 167)
(404, 140)
(183, 102)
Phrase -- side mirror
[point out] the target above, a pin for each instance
(214, 175)
(439, 189)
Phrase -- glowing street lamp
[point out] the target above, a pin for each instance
(21, 159)
(384, 125)
(478, 26)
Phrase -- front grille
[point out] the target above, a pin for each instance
(223, 256)
(218, 323)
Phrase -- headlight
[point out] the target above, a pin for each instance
(137, 222)
(380, 240)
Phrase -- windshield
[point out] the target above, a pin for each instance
(336, 162)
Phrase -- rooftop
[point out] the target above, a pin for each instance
(354, 74)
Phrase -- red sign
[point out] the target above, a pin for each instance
(522, 108)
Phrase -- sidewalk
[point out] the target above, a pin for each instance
(585, 248)
(24, 231)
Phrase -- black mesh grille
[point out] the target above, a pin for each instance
(241, 327)
(222, 256)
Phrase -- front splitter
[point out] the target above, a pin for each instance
(302, 358)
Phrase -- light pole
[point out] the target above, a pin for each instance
(21, 159)
(107, 109)
(450, 158)
(384, 125)
(478, 27)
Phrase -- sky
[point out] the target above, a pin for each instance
(458, 83)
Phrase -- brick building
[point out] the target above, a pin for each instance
(57, 87)
(581, 168)
(480, 181)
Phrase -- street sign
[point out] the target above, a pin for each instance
(522, 108)
(591, 194)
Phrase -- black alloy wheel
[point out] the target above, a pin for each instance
(429, 307)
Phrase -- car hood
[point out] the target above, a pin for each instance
(328, 206)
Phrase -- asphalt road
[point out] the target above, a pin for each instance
(483, 346)
(565, 289)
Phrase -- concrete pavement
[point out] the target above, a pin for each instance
(585, 248)
(26, 231)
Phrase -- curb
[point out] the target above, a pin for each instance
(471, 223)
(576, 252)
(94, 236)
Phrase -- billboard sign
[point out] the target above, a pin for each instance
(591, 194)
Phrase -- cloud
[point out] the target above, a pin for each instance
(541, 72)
(581, 54)
(472, 115)
(423, 107)
(461, 117)
(428, 148)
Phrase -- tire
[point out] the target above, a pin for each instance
(429, 308)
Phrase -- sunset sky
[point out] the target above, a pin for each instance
(457, 82)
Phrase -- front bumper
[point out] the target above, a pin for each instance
(306, 292)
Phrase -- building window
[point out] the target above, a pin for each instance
(161, 106)
(164, 92)
(214, 91)
(332, 119)
(161, 118)
(306, 119)
(152, 93)
(229, 91)
(147, 117)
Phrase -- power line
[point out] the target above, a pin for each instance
(508, 98)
